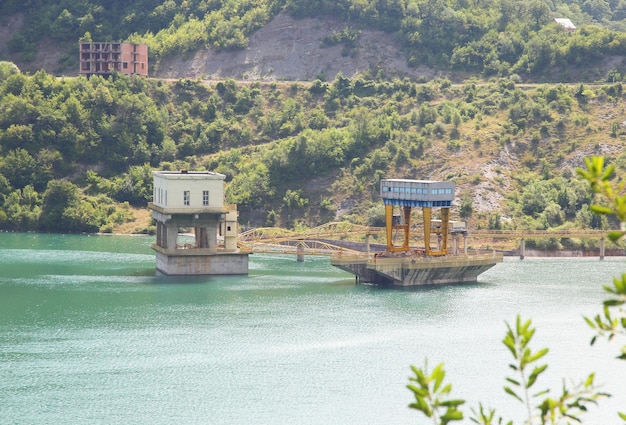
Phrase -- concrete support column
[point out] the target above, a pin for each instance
(300, 253)
(163, 242)
(159, 229)
(455, 243)
(602, 248)
(367, 243)
(464, 242)
(202, 240)
(205, 237)
(427, 214)
(522, 249)
(445, 222)
(389, 226)
(211, 236)
(171, 235)
(407, 224)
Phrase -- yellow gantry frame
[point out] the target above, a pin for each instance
(390, 227)
(405, 228)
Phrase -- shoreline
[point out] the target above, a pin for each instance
(534, 253)
(565, 253)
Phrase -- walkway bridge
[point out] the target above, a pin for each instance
(336, 238)
(540, 234)
(327, 239)
(522, 235)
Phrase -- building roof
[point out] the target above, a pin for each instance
(411, 181)
(565, 23)
(191, 175)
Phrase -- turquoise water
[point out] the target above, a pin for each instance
(89, 334)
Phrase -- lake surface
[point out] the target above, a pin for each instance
(89, 334)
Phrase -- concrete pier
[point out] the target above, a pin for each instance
(601, 248)
(300, 254)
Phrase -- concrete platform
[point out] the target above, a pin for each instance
(193, 264)
(415, 271)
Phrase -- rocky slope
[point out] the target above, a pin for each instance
(285, 49)
(292, 49)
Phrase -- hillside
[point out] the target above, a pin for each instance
(305, 117)
(286, 49)
(76, 152)
(290, 49)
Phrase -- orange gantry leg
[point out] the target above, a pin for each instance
(390, 227)
(405, 227)
(427, 214)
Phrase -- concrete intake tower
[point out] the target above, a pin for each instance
(195, 200)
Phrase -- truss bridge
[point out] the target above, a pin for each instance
(328, 239)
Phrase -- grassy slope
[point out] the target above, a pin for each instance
(486, 160)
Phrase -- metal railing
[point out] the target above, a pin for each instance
(274, 239)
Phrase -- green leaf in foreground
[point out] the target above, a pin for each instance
(431, 393)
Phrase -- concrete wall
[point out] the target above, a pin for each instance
(218, 264)
(135, 59)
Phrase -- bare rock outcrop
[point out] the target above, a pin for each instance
(289, 49)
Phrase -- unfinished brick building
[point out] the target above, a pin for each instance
(104, 58)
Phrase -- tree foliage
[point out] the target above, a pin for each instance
(106, 135)
(541, 408)
(488, 37)
(431, 395)
(611, 201)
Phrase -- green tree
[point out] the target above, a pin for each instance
(20, 210)
(64, 26)
(21, 169)
(294, 200)
(58, 199)
(598, 9)
(613, 203)
(7, 69)
(136, 186)
(250, 188)
(431, 395)
(539, 13)
(466, 208)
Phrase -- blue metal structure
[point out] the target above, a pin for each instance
(425, 194)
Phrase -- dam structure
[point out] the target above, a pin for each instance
(196, 232)
(435, 262)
